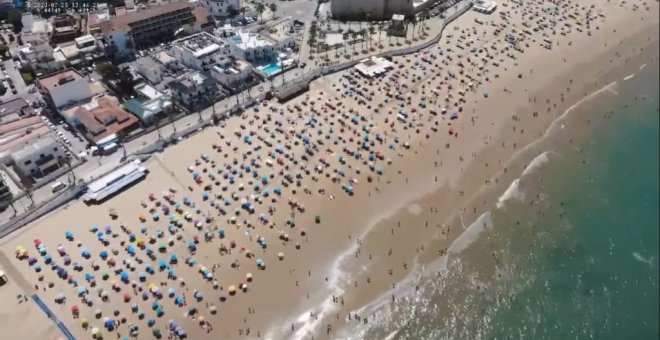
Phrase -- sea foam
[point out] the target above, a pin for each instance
(512, 192)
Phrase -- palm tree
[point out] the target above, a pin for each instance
(260, 9)
(380, 31)
(353, 37)
(363, 32)
(345, 36)
(372, 31)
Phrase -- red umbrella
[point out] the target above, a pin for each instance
(37, 242)
(75, 309)
(127, 297)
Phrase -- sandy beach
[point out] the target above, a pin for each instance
(284, 222)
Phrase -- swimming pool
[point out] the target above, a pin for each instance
(272, 69)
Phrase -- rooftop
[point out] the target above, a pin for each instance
(30, 147)
(200, 44)
(54, 80)
(101, 116)
(280, 31)
(190, 81)
(122, 23)
(247, 40)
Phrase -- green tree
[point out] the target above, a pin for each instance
(372, 31)
(3, 89)
(260, 9)
(3, 50)
(273, 7)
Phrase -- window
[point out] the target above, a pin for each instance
(28, 162)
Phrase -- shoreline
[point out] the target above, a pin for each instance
(273, 292)
(486, 191)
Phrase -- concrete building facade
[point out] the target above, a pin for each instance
(376, 9)
(194, 90)
(200, 51)
(64, 88)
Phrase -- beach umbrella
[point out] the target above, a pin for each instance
(109, 324)
(85, 253)
(213, 309)
(231, 290)
(89, 277)
(248, 277)
(162, 264)
(98, 313)
(179, 301)
(280, 255)
(127, 297)
(160, 311)
(142, 276)
(171, 292)
(151, 322)
(68, 235)
(124, 276)
(81, 291)
(103, 255)
(157, 333)
(84, 322)
(48, 259)
(145, 296)
(37, 268)
(95, 331)
(105, 275)
(198, 296)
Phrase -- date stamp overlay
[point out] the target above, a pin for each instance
(50, 7)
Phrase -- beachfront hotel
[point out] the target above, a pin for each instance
(147, 27)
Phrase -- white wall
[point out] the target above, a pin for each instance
(31, 169)
(220, 8)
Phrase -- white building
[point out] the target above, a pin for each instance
(484, 6)
(64, 88)
(221, 8)
(149, 104)
(149, 68)
(39, 157)
(374, 66)
(200, 51)
(233, 74)
(194, 90)
(253, 47)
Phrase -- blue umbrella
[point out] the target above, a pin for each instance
(154, 305)
(171, 273)
(37, 268)
(104, 255)
(162, 264)
(124, 276)
(130, 249)
(173, 258)
(93, 228)
(89, 277)
(221, 233)
(151, 322)
(142, 276)
(179, 301)
(131, 237)
(68, 235)
(110, 325)
(171, 292)
(145, 296)
(81, 291)
(192, 246)
(48, 259)
(160, 311)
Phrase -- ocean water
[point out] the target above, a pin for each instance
(569, 251)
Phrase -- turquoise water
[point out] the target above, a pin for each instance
(573, 254)
(272, 69)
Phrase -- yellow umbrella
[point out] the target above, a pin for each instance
(151, 285)
(84, 322)
(232, 289)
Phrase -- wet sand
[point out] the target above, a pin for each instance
(287, 298)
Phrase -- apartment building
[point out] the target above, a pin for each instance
(151, 26)
(64, 88)
(200, 51)
(194, 90)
